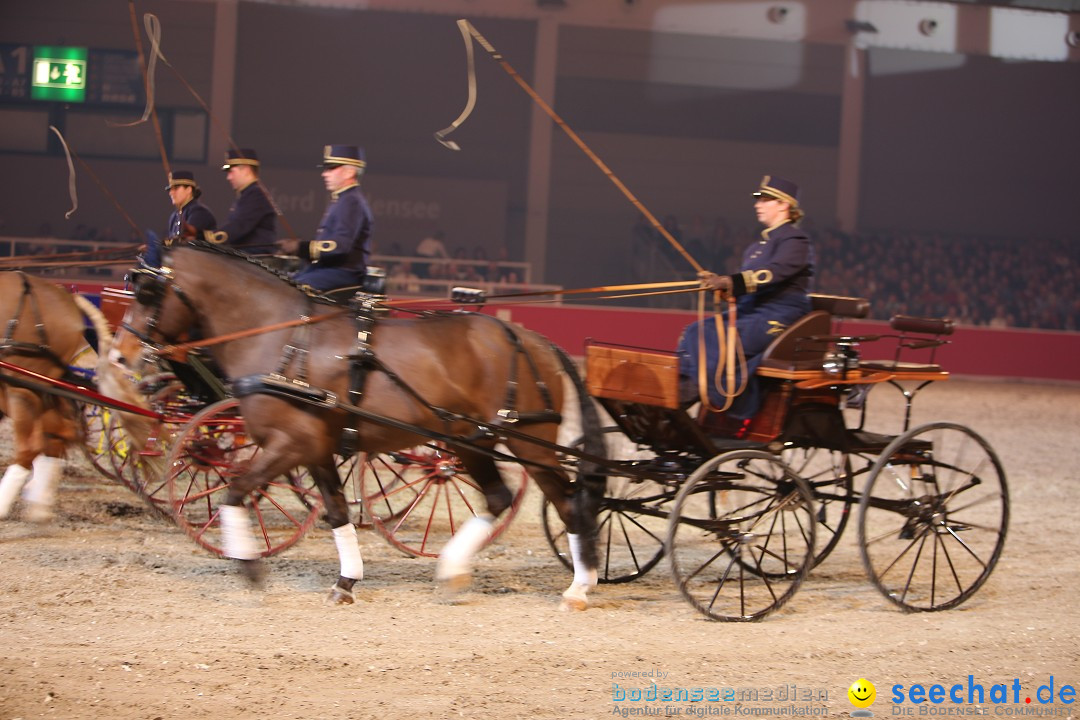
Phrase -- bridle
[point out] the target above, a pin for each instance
(151, 287)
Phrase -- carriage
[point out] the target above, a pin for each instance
(744, 519)
(741, 519)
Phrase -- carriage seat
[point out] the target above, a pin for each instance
(905, 324)
(802, 347)
(797, 348)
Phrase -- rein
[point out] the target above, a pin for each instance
(731, 356)
(683, 285)
(179, 351)
(163, 277)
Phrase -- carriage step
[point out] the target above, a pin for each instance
(727, 444)
(863, 441)
(873, 443)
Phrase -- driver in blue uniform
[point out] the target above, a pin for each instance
(184, 193)
(251, 225)
(338, 256)
(772, 289)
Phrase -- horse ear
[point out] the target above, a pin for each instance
(149, 289)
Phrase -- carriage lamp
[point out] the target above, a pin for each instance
(468, 296)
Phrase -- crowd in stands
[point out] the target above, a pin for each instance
(995, 282)
(431, 261)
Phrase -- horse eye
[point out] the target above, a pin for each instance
(149, 290)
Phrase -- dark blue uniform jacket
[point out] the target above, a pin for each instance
(194, 213)
(251, 225)
(339, 254)
(772, 289)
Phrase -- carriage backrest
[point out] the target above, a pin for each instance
(840, 305)
(799, 347)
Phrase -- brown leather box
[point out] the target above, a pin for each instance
(632, 375)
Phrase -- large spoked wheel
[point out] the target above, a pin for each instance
(95, 423)
(418, 498)
(933, 517)
(143, 470)
(207, 454)
(631, 522)
(741, 536)
(348, 470)
(830, 477)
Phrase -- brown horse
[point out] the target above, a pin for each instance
(44, 331)
(440, 373)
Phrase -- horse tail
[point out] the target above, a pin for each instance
(590, 418)
(591, 485)
(97, 320)
(110, 378)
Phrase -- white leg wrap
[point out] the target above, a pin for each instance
(40, 490)
(582, 575)
(236, 535)
(348, 550)
(456, 557)
(10, 485)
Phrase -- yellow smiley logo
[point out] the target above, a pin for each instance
(862, 693)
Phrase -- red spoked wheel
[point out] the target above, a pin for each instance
(143, 471)
(95, 423)
(418, 498)
(211, 450)
(94, 419)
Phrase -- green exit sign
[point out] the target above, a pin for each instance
(58, 73)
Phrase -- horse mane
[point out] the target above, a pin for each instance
(97, 319)
(202, 245)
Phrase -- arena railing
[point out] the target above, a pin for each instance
(510, 277)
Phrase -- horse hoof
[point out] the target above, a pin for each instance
(574, 599)
(339, 596)
(457, 583)
(254, 572)
(449, 590)
(37, 513)
(572, 604)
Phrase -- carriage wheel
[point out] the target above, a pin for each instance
(741, 536)
(830, 477)
(95, 423)
(348, 470)
(207, 453)
(419, 497)
(933, 517)
(631, 522)
(143, 472)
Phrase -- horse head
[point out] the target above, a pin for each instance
(159, 314)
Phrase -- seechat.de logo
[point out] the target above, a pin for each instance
(862, 694)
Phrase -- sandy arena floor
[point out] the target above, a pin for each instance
(110, 613)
